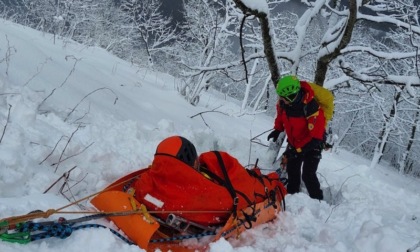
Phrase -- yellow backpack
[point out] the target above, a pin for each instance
(325, 99)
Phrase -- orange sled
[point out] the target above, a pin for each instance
(141, 227)
(138, 227)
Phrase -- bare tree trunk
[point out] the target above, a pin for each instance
(267, 41)
(347, 31)
(347, 129)
(268, 48)
(386, 130)
(405, 164)
(249, 85)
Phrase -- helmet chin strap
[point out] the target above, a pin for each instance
(298, 97)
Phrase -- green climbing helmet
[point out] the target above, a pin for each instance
(288, 85)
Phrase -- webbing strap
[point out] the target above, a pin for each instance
(228, 183)
(249, 218)
(245, 197)
(260, 178)
(213, 176)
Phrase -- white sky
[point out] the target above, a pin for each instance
(370, 210)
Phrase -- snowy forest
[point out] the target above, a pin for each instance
(365, 51)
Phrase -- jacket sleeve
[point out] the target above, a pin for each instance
(278, 123)
(316, 119)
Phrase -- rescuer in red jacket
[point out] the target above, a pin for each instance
(301, 117)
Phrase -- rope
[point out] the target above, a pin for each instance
(27, 231)
(12, 221)
(60, 230)
(152, 212)
(64, 230)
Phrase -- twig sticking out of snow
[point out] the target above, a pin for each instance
(7, 122)
(414, 247)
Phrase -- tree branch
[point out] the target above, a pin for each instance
(5, 126)
(265, 32)
(74, 108)
(213, 110)
(242, 47)
(65, 175)
(65, 147)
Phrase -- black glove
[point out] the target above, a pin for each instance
(273, 134)
(289, 153)
(327, 146)
(313, 145)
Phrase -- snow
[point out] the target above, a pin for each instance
(259, 5)
(102, 118)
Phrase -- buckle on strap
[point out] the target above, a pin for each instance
(235, 201)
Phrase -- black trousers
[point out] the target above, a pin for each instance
(295, 170)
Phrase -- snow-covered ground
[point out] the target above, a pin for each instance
(65, 106)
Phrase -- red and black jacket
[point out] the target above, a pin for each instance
(302, 120)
